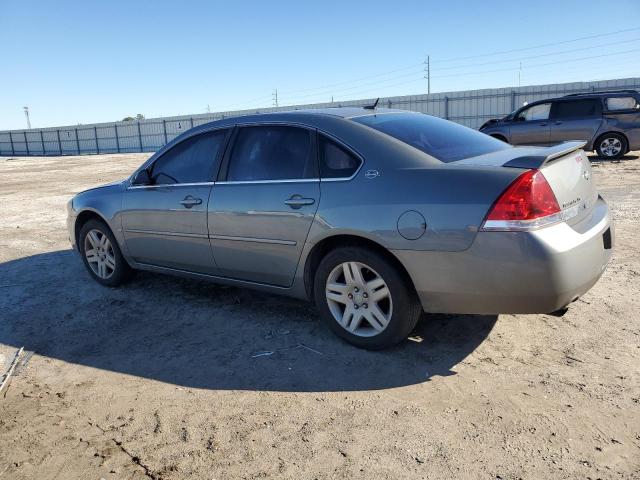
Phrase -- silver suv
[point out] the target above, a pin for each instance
(608, 121)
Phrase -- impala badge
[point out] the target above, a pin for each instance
(586, 175)
(370, 174)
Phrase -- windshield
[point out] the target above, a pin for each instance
(447, 141)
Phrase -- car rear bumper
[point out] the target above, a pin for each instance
(515, 272)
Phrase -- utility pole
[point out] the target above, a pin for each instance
(519, 72)
(208, 108)
(26, 114)
(427, 73)
(274, 95)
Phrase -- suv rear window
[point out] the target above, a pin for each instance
(442, 139)
(621, 103)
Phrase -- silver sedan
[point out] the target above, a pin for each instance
(376, 215)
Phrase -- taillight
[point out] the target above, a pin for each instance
(526, 204)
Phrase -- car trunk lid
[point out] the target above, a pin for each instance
(565, 167)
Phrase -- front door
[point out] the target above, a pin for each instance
(165, 221)
(262, 207)
(531, 126)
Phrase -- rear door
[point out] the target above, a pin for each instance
(263, 204)
(531, 125)
(165, 222)
(577, 119)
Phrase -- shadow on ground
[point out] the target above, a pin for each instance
(627, 157)
(197, 334)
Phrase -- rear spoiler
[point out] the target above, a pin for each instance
(546, 155)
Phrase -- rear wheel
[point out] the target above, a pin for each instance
(101, 254)
(364, 299)
(611, 145)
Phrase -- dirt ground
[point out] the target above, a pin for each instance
(164, 378)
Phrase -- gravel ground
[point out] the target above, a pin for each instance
(163, 378)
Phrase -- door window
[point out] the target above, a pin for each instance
(272, 153)
(335, 161)
(622, 103)
(577, 108)
(190, 161)
(536, 112)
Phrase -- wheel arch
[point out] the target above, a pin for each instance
(330, 243)
(499, 136)
(83, 217)
(609, 132)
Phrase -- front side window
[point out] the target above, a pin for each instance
(272, 153)
(335, 161)
(190, 161)
(444, 140)
(536, 112)
(577, 108)
(622, 103)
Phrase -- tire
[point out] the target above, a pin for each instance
(372, 321)
(611, 145)
(116, 270)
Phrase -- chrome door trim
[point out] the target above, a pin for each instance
(253, 239)
(249, 182)
(168, 234)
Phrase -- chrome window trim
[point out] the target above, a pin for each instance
(250, 182)
(196, 184)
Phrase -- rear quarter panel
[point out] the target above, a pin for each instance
(453, 201)
(626, 123)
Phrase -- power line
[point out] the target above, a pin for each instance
(550, 54)
(540, 46)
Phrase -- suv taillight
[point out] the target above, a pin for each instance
(526, 204)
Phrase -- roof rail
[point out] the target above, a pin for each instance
(597, 92)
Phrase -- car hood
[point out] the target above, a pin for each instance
(118, 184)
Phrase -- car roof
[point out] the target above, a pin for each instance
(585, 96)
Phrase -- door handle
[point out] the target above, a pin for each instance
(190, 201)
(543, 124)
(298, 201)
(558, 123)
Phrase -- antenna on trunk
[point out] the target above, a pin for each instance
(372, 107)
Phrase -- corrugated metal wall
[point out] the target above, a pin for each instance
(470, 108)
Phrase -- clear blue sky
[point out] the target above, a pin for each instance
(83, 61)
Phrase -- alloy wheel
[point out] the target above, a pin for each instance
(611, 146)
(359, 299)
(99, 254)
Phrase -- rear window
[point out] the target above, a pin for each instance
(621, 103)
(442, 139)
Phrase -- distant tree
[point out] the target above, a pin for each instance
(138, 117)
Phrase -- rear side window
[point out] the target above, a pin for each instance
(442, 139)
(622, 103)
(272, 153)
(190, 161)
(576, 108)
(335, 161)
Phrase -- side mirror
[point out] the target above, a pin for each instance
(142, 178)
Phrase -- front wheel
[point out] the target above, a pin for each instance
(611, 145)
(364, 298)
(101, 254)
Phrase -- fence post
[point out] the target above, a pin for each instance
(164, 130)
(13, 152)
(44, 152)
(77, 141)
(513, 100)
(115, 127)
(139, 137)
(59, 142)
(446, 108)
(191, 120)
(95, 136)
(26, 143)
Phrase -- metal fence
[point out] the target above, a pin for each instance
(470, 108)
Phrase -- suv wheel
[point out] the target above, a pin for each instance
(101, 255)
(611, 145)
(364, 298)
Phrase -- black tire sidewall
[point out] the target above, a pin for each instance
(122, 271)
(623, 150)
(406, 307)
